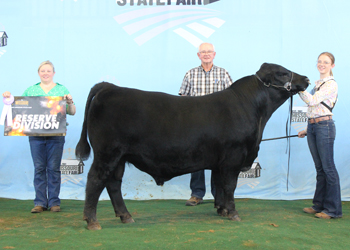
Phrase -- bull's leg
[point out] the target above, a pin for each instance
(94, 188)
(230, 184)
(219, 193)
(114, 190)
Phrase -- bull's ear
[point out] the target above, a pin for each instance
(265, 73)
(268, 77)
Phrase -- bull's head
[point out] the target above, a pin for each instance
(279, 77)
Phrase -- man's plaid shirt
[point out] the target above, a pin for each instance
(197, 82)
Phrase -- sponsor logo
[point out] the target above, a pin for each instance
(253, 172)
(3, 38)
(299, 114)
(187, 19)
(249, 177)
(299, 118)
(22, 103)
(71, 167)
(71, 170)
(164, 2)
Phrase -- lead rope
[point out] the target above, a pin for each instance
(288, 87)
(288, 132)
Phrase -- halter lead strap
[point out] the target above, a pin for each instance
(287, 85)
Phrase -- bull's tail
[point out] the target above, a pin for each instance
(82, 150)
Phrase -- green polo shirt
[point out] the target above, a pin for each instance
(36, 90)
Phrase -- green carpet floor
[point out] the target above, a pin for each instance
(169, 224)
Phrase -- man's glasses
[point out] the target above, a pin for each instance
(209, 52)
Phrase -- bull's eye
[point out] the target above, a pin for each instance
(281, 74)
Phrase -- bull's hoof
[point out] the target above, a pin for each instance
(127, 220)
(235, 218)
(94, 226)
(223, 212)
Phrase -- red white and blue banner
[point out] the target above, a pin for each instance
(150, 45)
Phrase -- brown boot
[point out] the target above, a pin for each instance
(38, 209)
(309, 210)
(194, 201)
(55, 209)
(323, 215)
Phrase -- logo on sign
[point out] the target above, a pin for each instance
(164, 2)
(186, 18)
(299, 118)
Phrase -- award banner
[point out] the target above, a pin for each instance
(37, 116)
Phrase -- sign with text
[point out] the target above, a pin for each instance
(37, 116)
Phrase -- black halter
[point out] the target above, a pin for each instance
(287, 85)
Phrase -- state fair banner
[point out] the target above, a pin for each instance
(37, 116)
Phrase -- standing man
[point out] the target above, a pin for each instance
(199, 81)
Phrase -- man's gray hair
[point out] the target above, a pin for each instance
(205, 43)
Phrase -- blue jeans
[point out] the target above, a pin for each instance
(47, 154)
(327, 198)
(197, 184)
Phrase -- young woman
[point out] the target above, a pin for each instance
(320, 137)
(47, 150)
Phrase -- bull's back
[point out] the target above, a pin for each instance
(166, 125)
(136, 113)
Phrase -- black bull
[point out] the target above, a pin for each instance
(167, 136)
